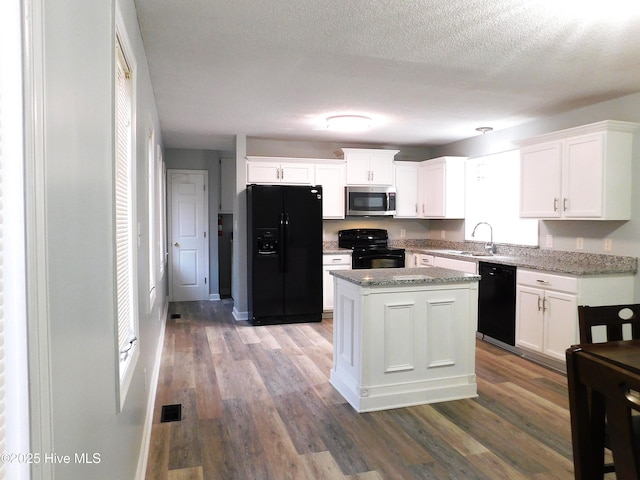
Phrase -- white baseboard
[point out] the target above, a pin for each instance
(153, 388)
(213, 297)
(240, 316)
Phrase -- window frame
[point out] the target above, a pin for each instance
(126, 357)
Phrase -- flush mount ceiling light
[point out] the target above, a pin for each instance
(348, 123)
(484, 129)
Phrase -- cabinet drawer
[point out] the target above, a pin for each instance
(336, 259)
(545, 280)
(425, 260)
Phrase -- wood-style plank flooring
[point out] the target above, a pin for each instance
(257, 404)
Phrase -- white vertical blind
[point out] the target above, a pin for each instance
(2, 369)
(152, 224)
(124, 235)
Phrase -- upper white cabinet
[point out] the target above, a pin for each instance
(407, 189)
(578, 173)
(271, 170)
(331, 175)
(369, 166)
(441, 190)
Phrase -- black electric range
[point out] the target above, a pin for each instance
(370, 248)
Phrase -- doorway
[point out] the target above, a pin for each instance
(188, 235)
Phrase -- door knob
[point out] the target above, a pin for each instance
(176, 244)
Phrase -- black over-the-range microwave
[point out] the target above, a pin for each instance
(370, 201)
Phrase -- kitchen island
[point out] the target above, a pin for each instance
(403, 336)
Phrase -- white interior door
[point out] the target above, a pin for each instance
(188, 232)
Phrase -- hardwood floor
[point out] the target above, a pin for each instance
(257, 404)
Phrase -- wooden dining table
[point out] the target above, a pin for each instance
(604, 381)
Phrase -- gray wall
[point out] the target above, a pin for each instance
(209, 160)
(77, 163)
(625, 235)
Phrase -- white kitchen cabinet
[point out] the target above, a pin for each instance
(547, 322)
(455, 264)
(272, 170)
(406, 189)
(366, 166)
(578, 173)
(418, 260)
(547, 308)
(331, 175)
(441, 191)
(340, 261)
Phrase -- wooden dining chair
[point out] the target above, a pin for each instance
(610, 323)
(610, 320)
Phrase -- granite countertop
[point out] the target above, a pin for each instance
(571, 263)
(381, 277)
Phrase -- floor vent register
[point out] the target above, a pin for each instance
(171, 413)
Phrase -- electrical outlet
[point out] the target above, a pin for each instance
(403, 233)
(549, 241)
(607, 244)
(443, 234)
(579, 243)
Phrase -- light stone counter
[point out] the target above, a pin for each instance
(390, 277)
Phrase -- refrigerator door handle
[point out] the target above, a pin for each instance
(285, 243)
(282, 244)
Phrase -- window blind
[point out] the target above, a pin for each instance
(153, 234)
(2, 356)
(124, 234)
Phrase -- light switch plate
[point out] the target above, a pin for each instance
(580, 243)
(607, 244)
(549, 241)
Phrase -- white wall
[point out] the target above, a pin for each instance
(76, 162)
(239, 260)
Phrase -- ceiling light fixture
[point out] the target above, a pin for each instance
(348, 123)
(484, 129)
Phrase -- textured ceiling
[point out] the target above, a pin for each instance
(427, 71)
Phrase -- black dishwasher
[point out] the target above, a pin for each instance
(497, 302)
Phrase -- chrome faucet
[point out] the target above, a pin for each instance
(490, 247)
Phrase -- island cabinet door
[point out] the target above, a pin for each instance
(418, 335)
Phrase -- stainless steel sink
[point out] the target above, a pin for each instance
(477, 254)
(468, 253)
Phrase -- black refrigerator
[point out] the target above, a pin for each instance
(284, 254)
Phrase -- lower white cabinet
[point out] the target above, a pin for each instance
(547, 308)
(341, 261)
(418, 260)
(546, 320)
(455, 264)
